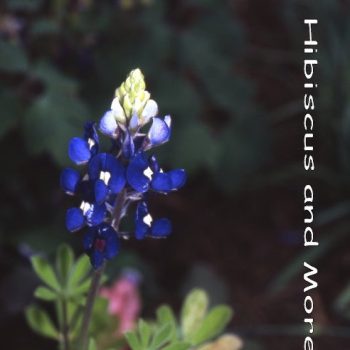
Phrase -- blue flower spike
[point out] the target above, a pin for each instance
(113, 179)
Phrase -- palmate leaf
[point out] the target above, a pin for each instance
(40, 322)
(133, 340)
(161, 336)
(78, 282)
(212, 325)
(45, 272)
(145, 331)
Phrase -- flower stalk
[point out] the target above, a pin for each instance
(97, 276)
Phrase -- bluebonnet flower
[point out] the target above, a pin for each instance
(112, 180)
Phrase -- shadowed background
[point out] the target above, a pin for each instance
(230, 74)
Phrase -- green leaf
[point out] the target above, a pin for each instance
(133, 340)
(166, 315)
(161, 336)
(55, 116)
(12, 57)
(45, 272)
(40, 322)
(78, 281)
(179, 345)
(92, 344)
(188, 143)
(193, 311)
(64, 261)
(213, 324)
(81, 288)
(45, 294)
(145, 332)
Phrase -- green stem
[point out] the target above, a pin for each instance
(90, 301)
(97, 275)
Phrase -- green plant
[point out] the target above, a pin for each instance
(196, 326)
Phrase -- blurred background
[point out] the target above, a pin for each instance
(230, 74)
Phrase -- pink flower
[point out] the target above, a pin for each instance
(124, 300)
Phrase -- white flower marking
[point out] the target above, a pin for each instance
(148, 220)
(105, 176)
(148, 173)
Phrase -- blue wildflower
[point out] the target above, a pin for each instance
(114, 179)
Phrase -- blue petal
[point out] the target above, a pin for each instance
(91, 133)
(74, 219)
(107, 163)
(134, 122)
(134, 173)
(96, 214)
(159, 132)
(178, 178)
(96, 259)
(167, 120)
(117, 181)
(112, 244)
(89, 238)
(161, 182)
(95, 166)
(161, 228)
(108, 124)
(154, 164)
(101, 191)
(79, 151)
(141, 229)
(141, 210)
(69, 180)
(128, 146)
